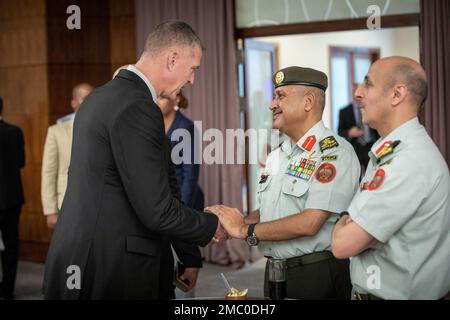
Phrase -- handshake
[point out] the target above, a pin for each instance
(232, 224)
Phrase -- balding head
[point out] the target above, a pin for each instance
(79, 93)
(406, 71)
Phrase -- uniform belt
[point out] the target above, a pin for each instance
(366, 296)
(308, 259)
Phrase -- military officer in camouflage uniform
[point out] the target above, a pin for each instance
(308, 181)
(397, 230)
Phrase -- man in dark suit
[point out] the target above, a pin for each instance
(357, 133)
(188, 254)
(12, 159)
(111, 240)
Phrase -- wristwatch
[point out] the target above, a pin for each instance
(252, 240)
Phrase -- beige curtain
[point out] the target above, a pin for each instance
(213, 98)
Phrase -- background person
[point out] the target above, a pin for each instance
(56, 159)
(12, 160)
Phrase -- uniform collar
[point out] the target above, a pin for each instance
(401, 133)
(308, 142)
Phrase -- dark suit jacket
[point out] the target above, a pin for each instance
(187, 173)
(346, 122)
(12, 159)
(118, 209)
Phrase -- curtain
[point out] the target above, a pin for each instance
(435, 55)
(213, 99)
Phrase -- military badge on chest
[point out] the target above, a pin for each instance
(302, 169)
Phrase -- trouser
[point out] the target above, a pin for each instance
(328, 278)
(9, 226)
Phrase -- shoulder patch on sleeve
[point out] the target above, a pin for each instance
(326, 173)
(377, 180)
(328, 143)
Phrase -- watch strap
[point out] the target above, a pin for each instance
(251, 229)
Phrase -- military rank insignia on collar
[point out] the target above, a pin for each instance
(302, 169)
(309, 143)
(328, 143)
(386, 149)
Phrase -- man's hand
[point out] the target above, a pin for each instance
(220, 234)
(355, 132)
(51, 220)
(191, 274)
(231, 220)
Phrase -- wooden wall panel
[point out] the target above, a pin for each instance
(13, 9)
(123, 33)
(76, 56)
(40, 62)
(24, 88)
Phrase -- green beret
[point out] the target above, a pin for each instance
(300, 76)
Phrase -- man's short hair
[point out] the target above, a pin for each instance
(171, 33)
(320, 97)
(414, 79)
(1, 105)
(319, 94)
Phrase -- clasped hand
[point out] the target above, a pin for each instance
(232, 224)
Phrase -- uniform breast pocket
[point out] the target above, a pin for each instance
(264, 184)
(296, 187)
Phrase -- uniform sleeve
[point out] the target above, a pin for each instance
(384, 210)
(49, 174)
(330, 193)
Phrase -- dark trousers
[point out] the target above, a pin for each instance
(9, 226)
(327, 279)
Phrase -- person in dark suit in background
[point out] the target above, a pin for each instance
(111, 240)
(187, 172)
(12, 159)
(356, 132)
